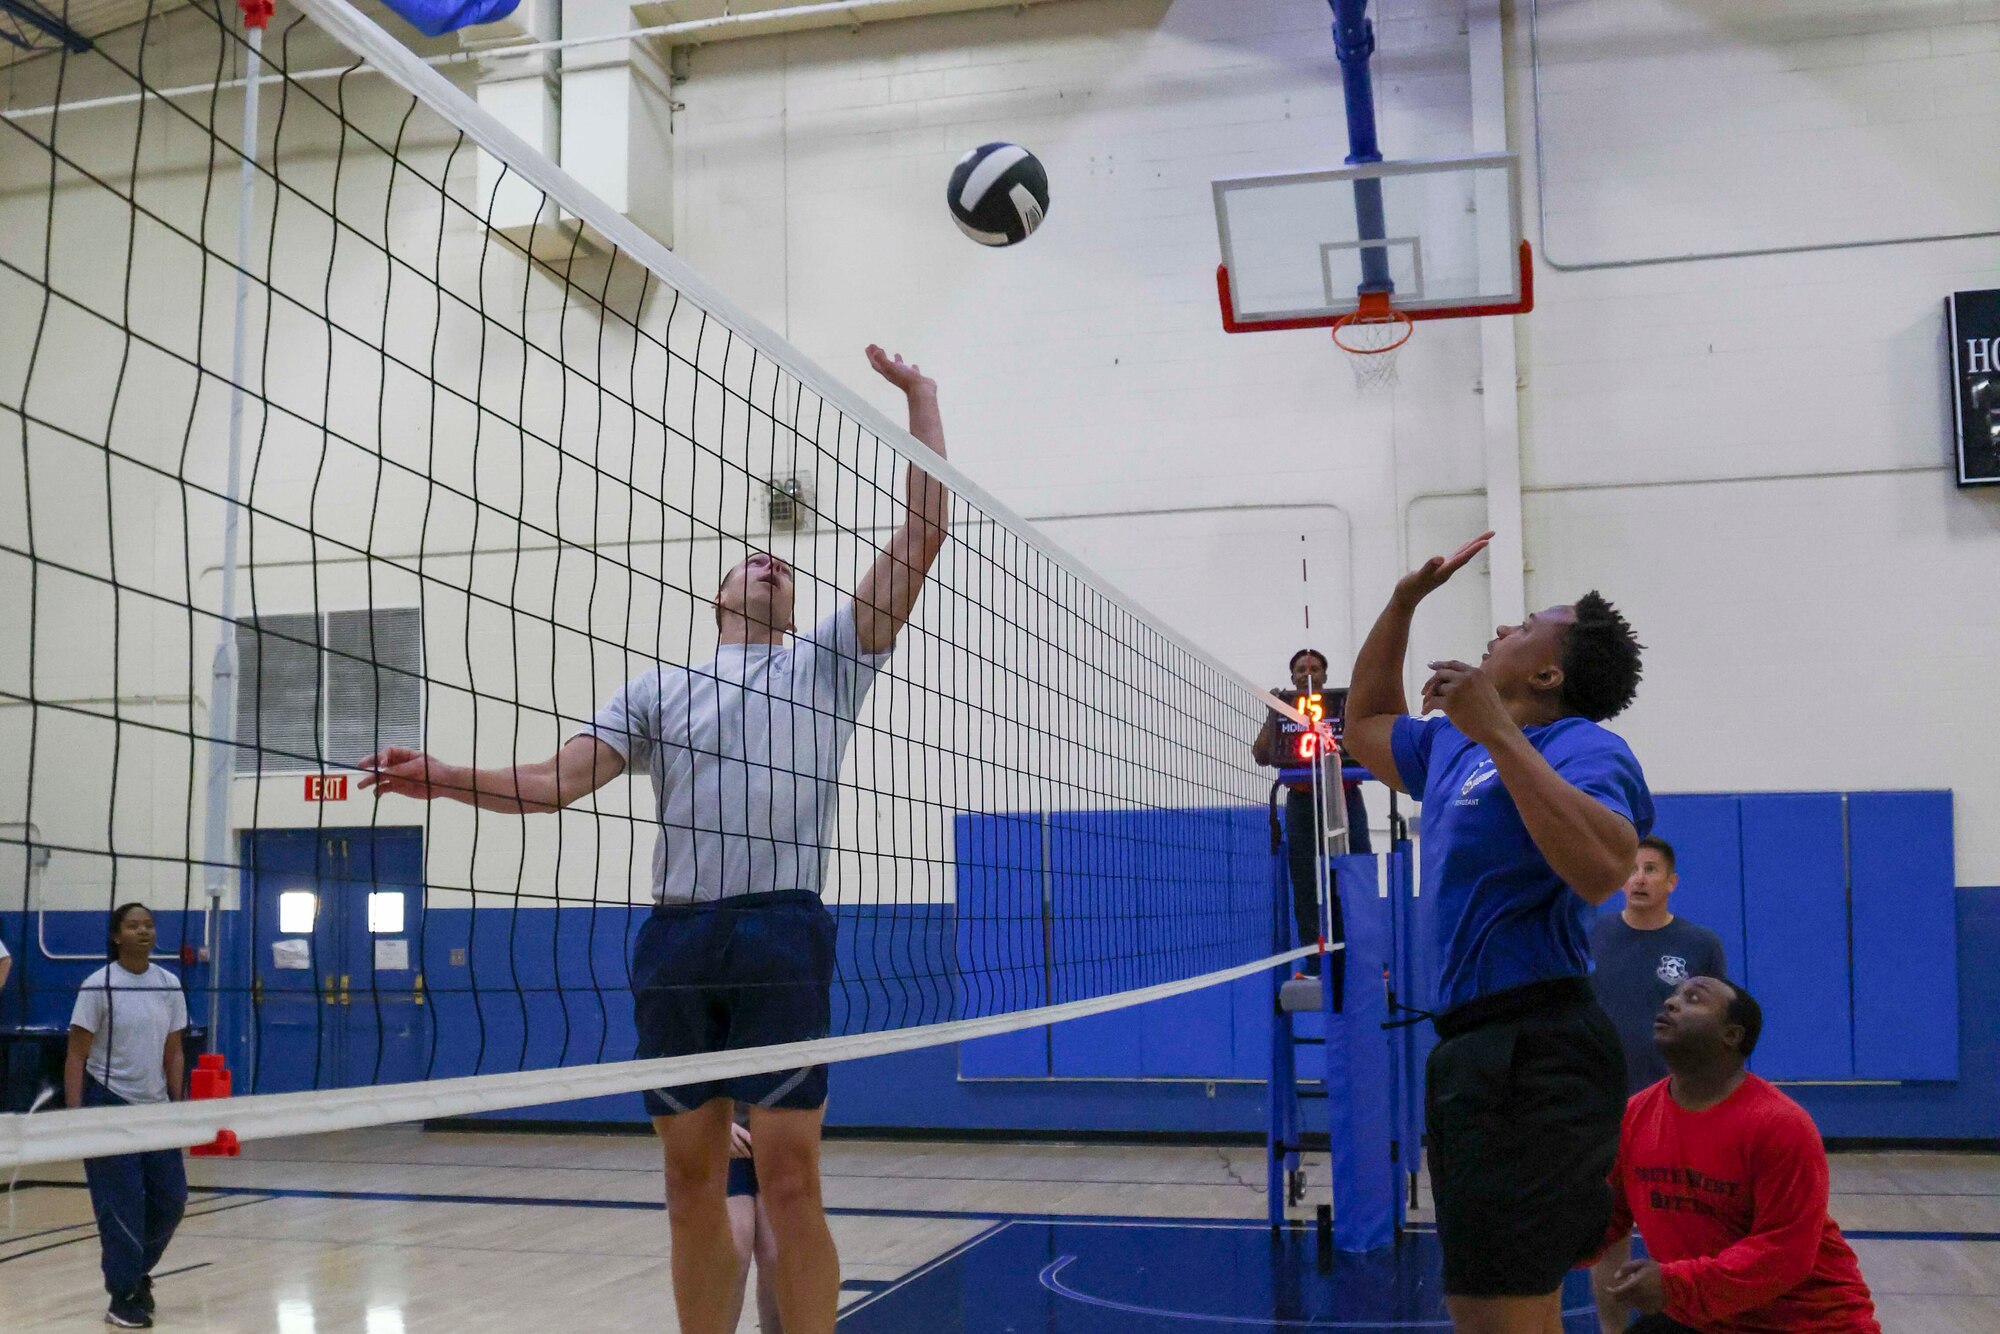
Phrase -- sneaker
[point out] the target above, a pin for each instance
(144, 1296)
(126, 1313)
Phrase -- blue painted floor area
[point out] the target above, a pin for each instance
(1151, 1278)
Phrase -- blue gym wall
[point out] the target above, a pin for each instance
(1195, 1064)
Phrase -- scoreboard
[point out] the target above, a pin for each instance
(1298, 743)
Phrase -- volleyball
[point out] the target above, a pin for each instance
(999, 194)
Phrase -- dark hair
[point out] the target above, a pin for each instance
(118, 916)
(1293, 665)
(1600, 661)
(1661, 846)
(1745, 1011)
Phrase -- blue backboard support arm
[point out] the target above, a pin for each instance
(1354, 46)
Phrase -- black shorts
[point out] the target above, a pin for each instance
(743, 1176)
(1522, 1103)
(748, 972)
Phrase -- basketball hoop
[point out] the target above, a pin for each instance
(1371, 336)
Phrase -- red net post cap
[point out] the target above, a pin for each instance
(257, 13)
(209, 1080)
(224, 1145)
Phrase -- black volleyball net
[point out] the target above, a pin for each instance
(375, 430)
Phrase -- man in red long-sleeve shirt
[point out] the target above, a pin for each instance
(1726, 1179)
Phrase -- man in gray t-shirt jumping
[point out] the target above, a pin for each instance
(744, 753)
(1642, 954)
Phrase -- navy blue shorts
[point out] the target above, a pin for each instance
(748, 972)
(742, 1176)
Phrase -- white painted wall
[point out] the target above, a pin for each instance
(1821, 627)
(1748, 455)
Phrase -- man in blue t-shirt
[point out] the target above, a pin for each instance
(1532, 814)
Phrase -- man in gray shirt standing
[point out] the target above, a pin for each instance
(1642, 955)
(744, 753)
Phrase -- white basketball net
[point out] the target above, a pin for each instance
(1373, 344)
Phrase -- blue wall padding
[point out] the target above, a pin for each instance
(1926, 994)
(999, 938)
(1358, 1073)
(1905, 935)
(1000, 952)
(1250, 1027)
(1795, 928)
(922, 1090)
(1707, 834)
(1968, 1109)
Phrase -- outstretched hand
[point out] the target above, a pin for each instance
(905, 375)
(1641, 1285)
(398, 771)
(1433, 574)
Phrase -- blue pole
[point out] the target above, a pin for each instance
(1353, 46)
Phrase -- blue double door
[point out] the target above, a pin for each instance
(337, 987)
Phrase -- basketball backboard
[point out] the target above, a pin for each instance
(1440, 237)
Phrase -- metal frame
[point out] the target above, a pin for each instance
(28, 16)
(1520, 301)
(1520, 306)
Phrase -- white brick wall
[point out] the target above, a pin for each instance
(1086, 371)
(1817, 632)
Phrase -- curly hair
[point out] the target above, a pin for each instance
(1600, 661)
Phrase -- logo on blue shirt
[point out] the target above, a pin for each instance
(1479, 777)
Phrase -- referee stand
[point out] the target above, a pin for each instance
(1343, 1055)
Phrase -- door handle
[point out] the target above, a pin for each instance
(346, 997)
(332, 990)
(257, 990)
(420, 989)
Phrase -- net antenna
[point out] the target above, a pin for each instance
(1369, 249)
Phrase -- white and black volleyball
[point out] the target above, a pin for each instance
(999, 194)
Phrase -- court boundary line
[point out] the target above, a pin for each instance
(1001, 1217)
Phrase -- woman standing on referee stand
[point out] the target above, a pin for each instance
(125, 1050)
(1302, 841)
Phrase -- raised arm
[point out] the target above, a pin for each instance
(888, 591)
(1375, 695)
(582, 766)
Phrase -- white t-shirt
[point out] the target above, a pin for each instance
(744, 752)
(129, 1016)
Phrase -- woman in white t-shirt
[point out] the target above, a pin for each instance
(125, 1049)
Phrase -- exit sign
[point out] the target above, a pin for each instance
(1972, 320)
(326, 787)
